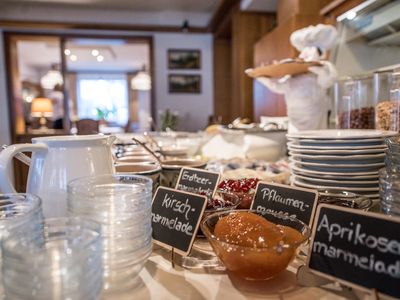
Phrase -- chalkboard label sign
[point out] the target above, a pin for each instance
(175, 218)
(359, 249)
(198, 181)
(292, 201)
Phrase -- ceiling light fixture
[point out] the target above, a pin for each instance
(141, 81)
(73, 57)
(351, 15)
(67, 52)
(185, 26)
(355, 11)
(95, 52)
(100, 58)
(51, 79)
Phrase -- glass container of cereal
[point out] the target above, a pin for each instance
(387, 95)
(355, 107)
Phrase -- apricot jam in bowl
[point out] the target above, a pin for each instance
(254, 245)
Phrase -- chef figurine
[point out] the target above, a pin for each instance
(306, 94)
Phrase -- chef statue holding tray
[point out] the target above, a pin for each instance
(306, 95)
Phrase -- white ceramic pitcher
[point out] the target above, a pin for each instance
(55, 161)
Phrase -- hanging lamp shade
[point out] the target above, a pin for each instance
(142, 81)
(51, 79)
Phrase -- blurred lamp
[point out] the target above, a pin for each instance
(42, 108)
(141, 81)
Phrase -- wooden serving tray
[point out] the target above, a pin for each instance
(281, 69)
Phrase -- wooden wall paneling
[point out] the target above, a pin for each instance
(66, 118)
(247, 28)
(286, 9)
(17, 124)
(289, 8)
(267, 103)
(222, 79)
(223, 30)
(221, 14)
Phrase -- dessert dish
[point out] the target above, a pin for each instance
(243, 173)
(243, 188)
(344, 199)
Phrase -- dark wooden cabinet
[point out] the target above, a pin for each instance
(234, 39)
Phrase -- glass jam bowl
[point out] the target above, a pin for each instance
(256, 262)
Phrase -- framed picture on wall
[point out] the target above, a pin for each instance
(184, 59)
(182, 83)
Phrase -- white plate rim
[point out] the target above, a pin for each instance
(344, 134)
(349, 189)
(296, 151)
(338, 141)
(336, 181)
(333, 157)
(370, 147)
(293, 166)
(336, 166)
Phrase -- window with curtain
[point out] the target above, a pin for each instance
(103, 97)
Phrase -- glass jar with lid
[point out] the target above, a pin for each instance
(387, 95)
(354, 101)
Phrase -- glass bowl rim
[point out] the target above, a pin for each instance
(81, 185)
(220, 209)
(306, 234)
(346, 195)
(34, 200)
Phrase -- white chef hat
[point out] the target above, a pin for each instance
(322, 36)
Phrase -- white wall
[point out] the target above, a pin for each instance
(4, 118)
(193, 109)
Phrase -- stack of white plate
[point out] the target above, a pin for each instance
(342, 159)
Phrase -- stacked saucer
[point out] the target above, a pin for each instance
(342, 159)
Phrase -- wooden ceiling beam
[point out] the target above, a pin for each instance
(223, 9)
(117, 27)
(218, 22)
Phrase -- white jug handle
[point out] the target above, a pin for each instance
(6, 157)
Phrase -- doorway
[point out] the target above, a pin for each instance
(105, 79)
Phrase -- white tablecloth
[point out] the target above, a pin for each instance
(158, 280)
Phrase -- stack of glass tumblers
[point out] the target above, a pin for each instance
(121, 204)
(64, 262)
(22, 214)
(389, 178)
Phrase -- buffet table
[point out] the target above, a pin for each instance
(159, 280)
